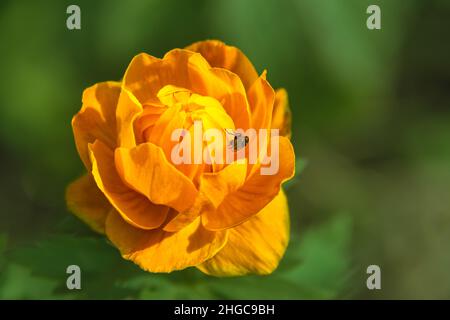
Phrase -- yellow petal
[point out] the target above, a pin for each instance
(135, 208)
(161, 135)
(178, 220)
(160, 251)
(212, 115)
(146, 121)
(281, 117)
(218, 54)
(141, 78)
(261, 98)
(146, 169)
(255, 246)
(229, 90)
(97, 118)
(211, 112)
(147, 75)
(128, 109)
(257, 191)
(169, 95)
(216, 186)
(88, 203)
(174, 118)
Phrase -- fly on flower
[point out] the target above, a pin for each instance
(239, 140)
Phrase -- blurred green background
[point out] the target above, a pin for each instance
(371, 121)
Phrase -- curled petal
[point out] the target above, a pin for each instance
(281, 117)
(128, 109)
(147, 75)
(97, 118)
(169, 95)
(255, 246)
(161, 251)
(88, 203)
(178, 220)
(161, 135)
(218, 54)
(257, 191)
(135, 208)
(261, 98)
(146, 121)
(233, 97)
(141, 78)
(146, 170)
(216, 186)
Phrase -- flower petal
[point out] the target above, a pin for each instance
(281, 116)
(145, 122)
(146, 169)
(161, 134)
(257, 191)
(169, 95)
(97, 118)
(141, 78)
(261, 98)
(178, 220)
(160, 251)
(135, 208)
(147, 75)
(216, 186)
(255, 246)
(218, 54)
(88, 203)
(232, 96)
(128, 109)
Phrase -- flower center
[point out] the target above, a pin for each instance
(180, 109)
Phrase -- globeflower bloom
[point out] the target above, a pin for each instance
(226, 219)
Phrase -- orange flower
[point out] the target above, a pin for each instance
(224, 219)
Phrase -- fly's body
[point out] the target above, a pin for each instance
(239, 141)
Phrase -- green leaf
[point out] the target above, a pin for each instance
(17, 282)
(186, 284)
(101, 265)
(322, 258)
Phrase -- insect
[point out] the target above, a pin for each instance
(239, 141)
